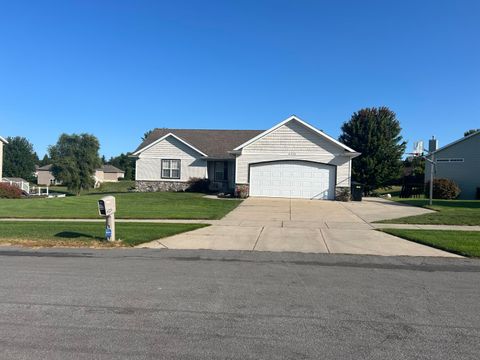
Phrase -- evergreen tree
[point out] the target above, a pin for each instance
(45, 160)
(375, 133)
(125, 163)
(75, 158)
(470, 132)
(19, 159)
(146, 135)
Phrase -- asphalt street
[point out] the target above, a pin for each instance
(166, 304)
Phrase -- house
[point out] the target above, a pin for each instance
(291, 159)
(459, 162)
(45, 176)
(106, 173)
(2, 142)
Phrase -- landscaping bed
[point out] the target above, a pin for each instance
(465, 243)
(156, 205)
(85, 234)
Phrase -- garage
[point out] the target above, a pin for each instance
(293, 179)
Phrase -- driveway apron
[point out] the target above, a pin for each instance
(313, 226)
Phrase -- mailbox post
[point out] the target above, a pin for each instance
(107, 208)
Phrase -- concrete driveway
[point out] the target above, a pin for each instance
(273, 224)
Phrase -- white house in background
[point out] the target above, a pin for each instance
(108, 173)
(292, 159)
(2, 142)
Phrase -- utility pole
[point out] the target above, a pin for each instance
(432, 169)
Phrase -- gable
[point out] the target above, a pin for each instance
(293, 119)
(464, 148)
(293, 137)
(170, 148)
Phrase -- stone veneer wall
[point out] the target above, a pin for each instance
(152, 186)
(242, 190)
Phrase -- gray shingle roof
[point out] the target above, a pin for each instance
(214, 143)
(45, 168)
(111, 169)
(104, 168)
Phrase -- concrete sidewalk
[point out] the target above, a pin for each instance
(273, 223)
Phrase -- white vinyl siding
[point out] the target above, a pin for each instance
(294, 141)
(149, 162)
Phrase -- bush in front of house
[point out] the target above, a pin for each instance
(8, 191)
(444, 189)
(200, 185)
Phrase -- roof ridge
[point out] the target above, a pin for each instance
(183, 129)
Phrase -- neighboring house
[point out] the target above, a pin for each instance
(106, 173)
(460, 162)
(2, 142)
(45, 176)
(292, 159)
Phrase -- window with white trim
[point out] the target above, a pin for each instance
(170, 169)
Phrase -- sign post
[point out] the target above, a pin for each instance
(107, 209)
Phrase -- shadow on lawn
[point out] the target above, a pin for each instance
(75, 235)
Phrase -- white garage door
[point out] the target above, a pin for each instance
(292, 179)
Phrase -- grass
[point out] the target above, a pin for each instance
(75, 234)
(465, 243)
(105, 188)
(158, 205)
(448, 212)
(392, 190)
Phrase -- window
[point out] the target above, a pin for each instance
(170, 169)
(221, 171)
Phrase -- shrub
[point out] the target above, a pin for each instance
(241, 191)
(200, 185)
(445, 189)
(8, 191)
(343, 194)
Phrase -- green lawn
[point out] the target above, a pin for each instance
(466, 243)
(48, 234)
(157, 205)
(448, 212)
(105, 188)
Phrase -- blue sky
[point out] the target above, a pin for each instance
(118, 68)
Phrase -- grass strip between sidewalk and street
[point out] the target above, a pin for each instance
(85, 234)
(465, 243)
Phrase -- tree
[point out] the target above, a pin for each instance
(470, 132)
(146, 135)
(75, 158)
(45, 161)
(375, 133)
(126, 163)
(19, 158)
